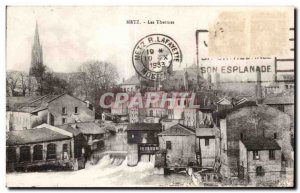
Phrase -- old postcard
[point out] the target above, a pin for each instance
(150, 96)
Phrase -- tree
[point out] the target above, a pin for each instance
(95, 78)
(39, 73)
(47, 83)
(101, 75)
(24, 83)
(12, 79)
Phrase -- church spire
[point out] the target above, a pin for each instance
(37, 51)
(36, 35)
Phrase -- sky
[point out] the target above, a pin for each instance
(71, 36)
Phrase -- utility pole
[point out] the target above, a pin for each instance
(197, 55)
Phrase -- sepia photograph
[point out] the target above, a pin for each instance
(150, 97)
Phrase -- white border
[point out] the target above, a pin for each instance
(4, 3)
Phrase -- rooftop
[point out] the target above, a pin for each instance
(225, 112)
(279, 100)
(144, 126)
(177, 130)
(132, 80)
(260, 143)
(13, 103)
(86, 127)
(32, 104)
(36, 135)
(205, 131)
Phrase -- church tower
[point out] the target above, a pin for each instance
(36, 52)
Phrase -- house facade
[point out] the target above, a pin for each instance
(207, 145)
(178, 143)
(253, 121)
(142, 142)
(260, 161)
(44, 145)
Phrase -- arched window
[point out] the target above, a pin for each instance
(24, 154)
(51, 151)
(38, 152)
(11, 154)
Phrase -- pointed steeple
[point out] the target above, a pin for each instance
(36, 36)
(37, 50)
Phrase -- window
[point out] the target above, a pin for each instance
(64, 110)
(65, 151)
(206, 142)
(280, 107)
(168, 145)
(151, 113)
(271, 154)
(63, 120)
(24, 154)
(51, 151)
(38, 152)
(76, 110)
(255, 155)
(275, 135)
(11, 154)
(145, 136)
(259, 171)
(241, 136)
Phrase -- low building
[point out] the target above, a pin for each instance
(206, 145)
(44, 145)
(260, 161)
(282, 103)
(92, 132)
(142, 142)
(224, 103)
(131, 85)
(167, 123)
(179, 144)
(50, 109)
(254, 120)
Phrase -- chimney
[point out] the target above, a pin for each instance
(87, 103)
(202, 37)
(258, 86)
(123, 80)
(209, 77)
(186, 80)
(217, 80)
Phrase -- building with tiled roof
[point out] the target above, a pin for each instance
(132, 84)
(260, 161)
(177, 130)
(283, 103)
(178, 143)
(255, 121)
(44, 145)
(51, 109)
(261, 143)
(93, 133)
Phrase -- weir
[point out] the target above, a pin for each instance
(117, 157)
